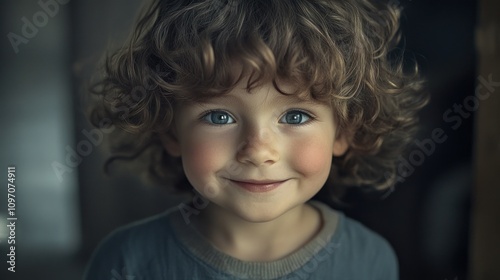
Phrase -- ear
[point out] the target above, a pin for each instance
(171, 143)
(340, 145)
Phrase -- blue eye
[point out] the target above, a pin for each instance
(218, 117)
(295, 117)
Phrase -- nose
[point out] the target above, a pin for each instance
(258, 147)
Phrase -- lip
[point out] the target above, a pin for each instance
(258, 186)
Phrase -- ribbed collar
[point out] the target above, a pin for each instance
(201, 248)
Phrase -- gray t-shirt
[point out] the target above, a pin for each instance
(166, 247)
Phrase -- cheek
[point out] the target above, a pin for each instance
(312, 157)
(202, 157)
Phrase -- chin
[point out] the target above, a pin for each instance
(259, 215)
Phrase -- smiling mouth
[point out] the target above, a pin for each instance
(258, 186)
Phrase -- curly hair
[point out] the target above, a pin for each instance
(339, 51)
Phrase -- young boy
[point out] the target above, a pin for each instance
(256, 107)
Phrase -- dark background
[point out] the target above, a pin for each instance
(61, 220)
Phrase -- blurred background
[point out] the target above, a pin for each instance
(65, 205)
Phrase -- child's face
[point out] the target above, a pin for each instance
(232, 143)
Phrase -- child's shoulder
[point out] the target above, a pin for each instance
(344, 248)
(135, 246)
(350, 236)
(350, 231)
(357, 247)
(141, 233)
(358, 235)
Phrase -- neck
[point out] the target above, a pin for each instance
(258, 241)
